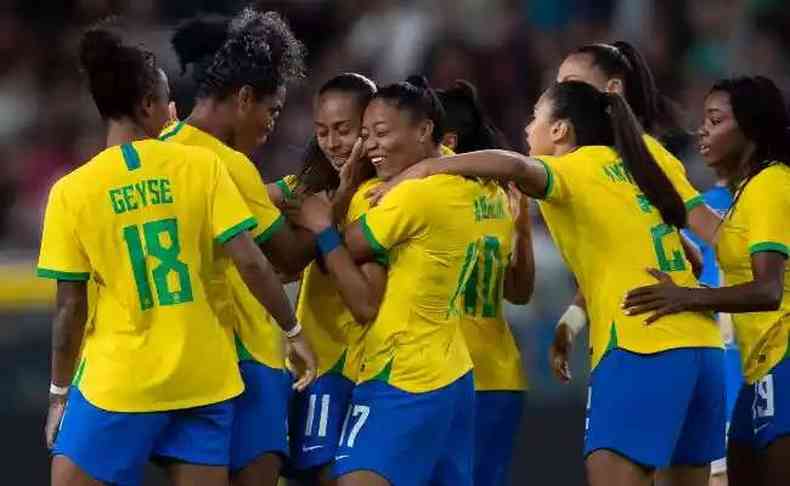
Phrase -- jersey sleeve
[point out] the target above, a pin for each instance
(676, 173)
(61, 256)
(400, 216)
(253, 190)
(288, 185)
(766, 203)
(229, 213)
(557, 174)
(359, 204)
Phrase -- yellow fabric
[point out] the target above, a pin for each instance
(258, 336)
(426, 230)
(758, 223)
(149, 234)
(608, 234)
(496, 358)
(676, 172)
(328, 324)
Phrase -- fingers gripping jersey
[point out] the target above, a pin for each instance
(145, 221)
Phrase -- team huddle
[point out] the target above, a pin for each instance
(408, 227)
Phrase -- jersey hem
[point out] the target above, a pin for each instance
(694, 202)
(233, 231)
(60, 275)
(273, 228)
(378, 249)
(769, 246)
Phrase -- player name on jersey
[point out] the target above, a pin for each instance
(140, 194)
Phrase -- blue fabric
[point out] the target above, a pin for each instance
(762, 411)
(316, 421)
(719, 199)
(260, 423)
(658, 409)
(497, 421)
(114, 447)
(410, 438)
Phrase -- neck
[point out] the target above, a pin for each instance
(210, 116)
(123, 131)
(563, 148)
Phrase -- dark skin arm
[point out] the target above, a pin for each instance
(361, 285)
(693, 255)
(263, 283)
(520, 276)
(529, 174)
(764, 293)
(290, 249)
(68, 329)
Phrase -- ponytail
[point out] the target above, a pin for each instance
(465, 116)
(649, 177)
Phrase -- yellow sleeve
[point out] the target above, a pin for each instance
(676, 173)
(767, 204)
(400, 216)
(359, 204)
(557, 175)
(255, 194)
(61, 256)
(288, 185)
(229, 213)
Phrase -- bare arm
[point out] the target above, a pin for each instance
(763, 293)
(261, 279)
(704, 222)
(68, 329)
(290, 249)
(693, 255)
(520, 276)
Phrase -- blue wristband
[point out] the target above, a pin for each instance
(328, 240)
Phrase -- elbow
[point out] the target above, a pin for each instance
(772, 297)
(365, 310)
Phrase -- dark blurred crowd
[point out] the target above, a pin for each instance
(509, 48)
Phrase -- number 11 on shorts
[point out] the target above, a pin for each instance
(354, 411)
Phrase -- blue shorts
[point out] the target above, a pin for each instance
(260, 422)
(733, 379)
(762, 411)
(316, 421)
(114, 447)
(658, 410)
(497, 420)
(410, 438)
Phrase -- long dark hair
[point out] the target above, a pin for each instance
(760, 110)
(465, 116)
(254, 48)
(606, 119)
(317, 173)
(658, 115)
(119, 75)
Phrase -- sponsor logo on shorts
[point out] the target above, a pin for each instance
(310, 448)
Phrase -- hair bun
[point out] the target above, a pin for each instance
(418, 81)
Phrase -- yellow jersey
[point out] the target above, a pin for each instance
(328, 324)
(496, 358)
(608, 233)
(145, 222)
(757, 224)
(257, 335)
(427, 230)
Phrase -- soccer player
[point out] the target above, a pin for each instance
(411, 417)
(146, 221)
(317, 413)
(242, 68)
(744, 136)
(620, 68)
(499, 378)
(657, 392)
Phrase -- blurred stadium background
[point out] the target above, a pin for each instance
(509, 48)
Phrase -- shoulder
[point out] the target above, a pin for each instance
(773, 180)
